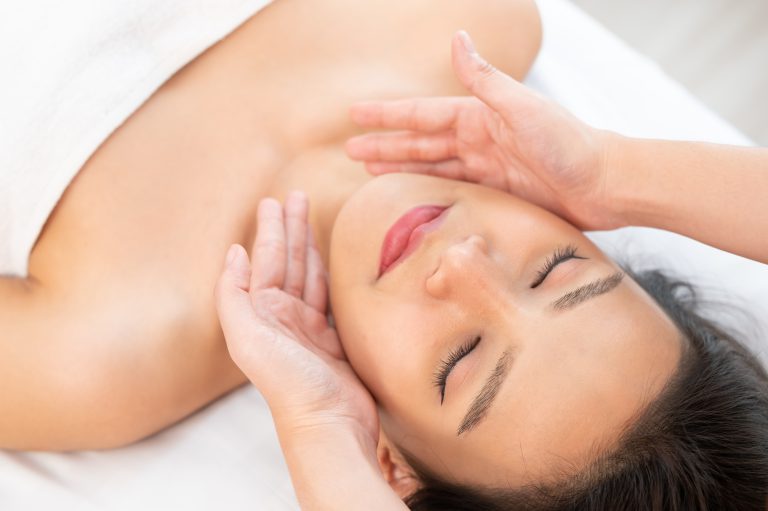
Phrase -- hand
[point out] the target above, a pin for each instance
(275, 325)
(507, 136)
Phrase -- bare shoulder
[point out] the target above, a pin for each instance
(507, 32)
(405, 38)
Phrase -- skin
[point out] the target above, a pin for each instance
(578, 376)
(126, 203)
(327, 421)
(118, 313)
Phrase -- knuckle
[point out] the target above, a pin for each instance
(420, 149)
(486, 70)
(270, 245)
(419, 119)
(297, 253)
(414, 151)
(423, 148)
(271, 254)
(412, 116)
(297, 256)
(377, 151)
(451, 147)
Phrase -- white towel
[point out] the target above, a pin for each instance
(72, 73)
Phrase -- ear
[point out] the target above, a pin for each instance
(396, 470)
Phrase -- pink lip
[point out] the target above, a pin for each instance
(405, 235)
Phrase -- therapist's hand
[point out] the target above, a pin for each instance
(273, 313)
(507, 136)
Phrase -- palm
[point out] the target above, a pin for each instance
(305, 344)
(273, 314)
(534, 149)
(510, 158)
(477, 133)
(506, 136)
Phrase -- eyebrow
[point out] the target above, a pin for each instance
(482, 402)
(590, 290)
(478, 410)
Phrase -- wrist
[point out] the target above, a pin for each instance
(622, 186)
(308, 425)
(335, 467)
(643, 187)
(595, 202)
(329, 433)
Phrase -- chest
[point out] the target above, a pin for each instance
(151, 212)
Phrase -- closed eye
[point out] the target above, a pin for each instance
(447, 365)
(560, 255)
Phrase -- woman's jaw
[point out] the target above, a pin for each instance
(556, 372)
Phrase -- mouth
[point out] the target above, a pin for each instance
(406, 234)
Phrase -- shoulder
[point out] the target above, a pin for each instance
(507, 32)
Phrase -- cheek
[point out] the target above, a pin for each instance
(588, 377)
(371, 339)
(390, 350)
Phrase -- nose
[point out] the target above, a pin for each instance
(463, 266)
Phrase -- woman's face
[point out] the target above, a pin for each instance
(557, 369)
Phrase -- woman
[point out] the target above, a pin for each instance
(333, 419)
(503, 379)
(117, 313)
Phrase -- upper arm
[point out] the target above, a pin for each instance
(79, 371)
(26, 328)
(43, 370)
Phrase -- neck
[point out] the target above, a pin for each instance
(328, 178)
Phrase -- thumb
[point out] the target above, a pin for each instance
(233, 302)
(494, 88)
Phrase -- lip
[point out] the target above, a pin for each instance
(406, 234)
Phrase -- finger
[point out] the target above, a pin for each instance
(237, 269)
(403, 146)
(428, 115)
(496, 89)
(296, 208)
(233, 302)
(315, 287)
(449, 169)
(269, 250)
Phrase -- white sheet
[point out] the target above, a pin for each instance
(227, 457)
(73, 72)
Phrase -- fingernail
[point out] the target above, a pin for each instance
(232, 255)
(467, 41)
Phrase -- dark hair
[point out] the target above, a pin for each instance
(701, 444)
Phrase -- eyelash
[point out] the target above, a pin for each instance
(453, 358)
(560, 255)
